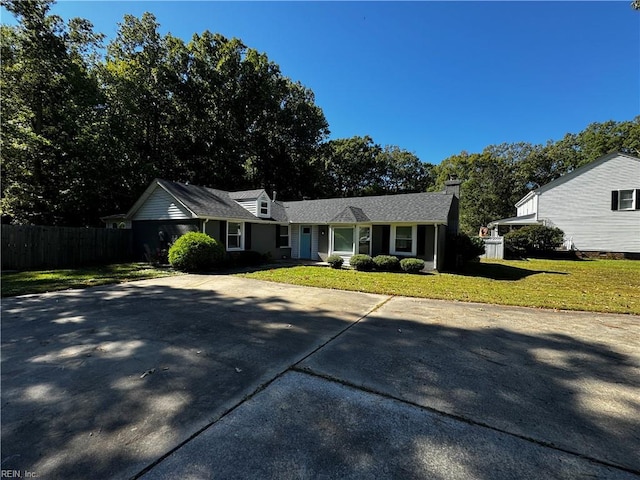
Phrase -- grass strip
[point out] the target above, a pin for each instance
(611, 286)
(40, 281)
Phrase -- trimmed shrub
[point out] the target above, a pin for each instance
(196, 252)
(335, 261)
(386, 263)
(461, 249)
(411, 265)
(533, 240)
(361, 262)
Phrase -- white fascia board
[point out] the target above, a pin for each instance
(244, 220)
(526, 198)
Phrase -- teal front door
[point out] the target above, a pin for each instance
(305, 241)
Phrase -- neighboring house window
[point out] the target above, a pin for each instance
(625, 199)
(364, 240)
(403, 239)
(235, 236)
(284, 236)
(343, 239)
(264, 208)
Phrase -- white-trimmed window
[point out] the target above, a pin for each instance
(364, 239)
(625, 199)
(403, 239)
(284, 234)
(342, 240)
(263, 208)
(235, 236)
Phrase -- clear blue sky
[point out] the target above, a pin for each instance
(434, 78)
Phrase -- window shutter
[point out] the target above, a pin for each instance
(386, 239)
(277, 236)
(247, 236)
(422, 238)
(223, 233)
(637, 198)
(614, 200)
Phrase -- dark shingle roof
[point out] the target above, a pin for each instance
(350, 215)
(407, 207)
(246, 194)
(206, 202)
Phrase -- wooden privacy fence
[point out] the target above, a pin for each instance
(26, 247)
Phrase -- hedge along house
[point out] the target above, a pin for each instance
(405, 225)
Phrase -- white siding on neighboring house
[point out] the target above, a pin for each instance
(529, 206)
(161, 206)
(581, 207)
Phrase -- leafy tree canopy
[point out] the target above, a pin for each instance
(86, 128)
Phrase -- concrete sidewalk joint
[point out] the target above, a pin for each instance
(309, 371)
(259, 389)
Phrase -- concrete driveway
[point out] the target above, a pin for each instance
(223, 377)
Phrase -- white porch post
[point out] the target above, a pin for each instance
(435, 248)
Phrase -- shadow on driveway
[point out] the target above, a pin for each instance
(76, 402)
(539, 377)
(101, 383)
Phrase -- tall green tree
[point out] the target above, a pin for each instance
(212, 111)
(351, 166)
(48, 111)
(403, 172)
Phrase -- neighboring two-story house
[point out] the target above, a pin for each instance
(597, 206)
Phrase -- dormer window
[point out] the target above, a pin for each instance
(256, 202)
(264, 208)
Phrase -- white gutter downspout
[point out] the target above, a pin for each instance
(204, 225)
(435, 248)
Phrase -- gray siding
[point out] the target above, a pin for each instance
(295, 240)
(263, 239)
(323, 242)
(314, 243)
(442, 238)
(146, 232)
(161, 206)
(212, 228)
(581, 207)
(429, 243)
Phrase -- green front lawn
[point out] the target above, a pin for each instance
(40, 281)
(593, 285)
